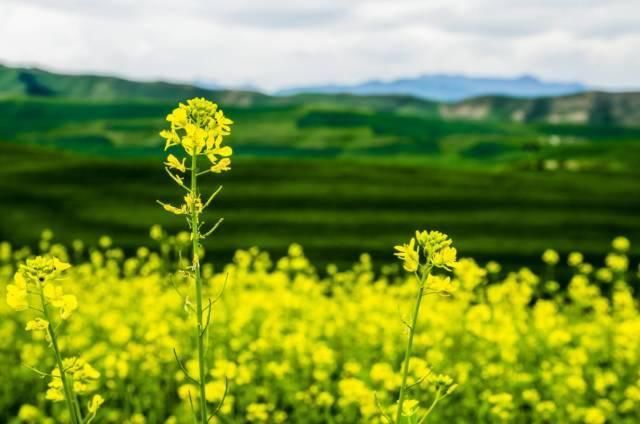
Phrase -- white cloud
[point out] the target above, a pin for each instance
(279, 43)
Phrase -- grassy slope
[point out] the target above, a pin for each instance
(335, 208)
(318, 126)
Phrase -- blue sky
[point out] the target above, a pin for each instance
(278, 43)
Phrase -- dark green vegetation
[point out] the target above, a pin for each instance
(335, 208)
(339, 174)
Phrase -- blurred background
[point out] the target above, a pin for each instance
(512, 126)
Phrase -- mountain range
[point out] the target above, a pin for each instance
(450, 88)
(521, 105)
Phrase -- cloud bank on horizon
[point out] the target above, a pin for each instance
(281, 43)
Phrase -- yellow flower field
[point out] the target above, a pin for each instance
(302, 345)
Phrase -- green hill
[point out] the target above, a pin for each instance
(318, 126)
(17, 82)
(592, 108)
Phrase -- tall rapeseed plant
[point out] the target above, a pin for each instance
(199, 127)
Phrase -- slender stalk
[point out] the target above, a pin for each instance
(433, 405)
(195, 235)
(407, 355)
(68, 390)
(76, 403)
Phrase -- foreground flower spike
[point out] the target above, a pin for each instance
(38, 287)
(199, 127)
(433, 250)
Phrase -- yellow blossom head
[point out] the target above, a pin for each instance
(550, 257)
(199, 127)
(433, 247)
(621, 244)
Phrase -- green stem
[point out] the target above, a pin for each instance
(433, 405)
(195, 235)
(407, 355)
(68, 390)
(77, 405)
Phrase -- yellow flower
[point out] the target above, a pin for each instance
(222, 165)
(213, 140)
(195, 140)
(17, 297)
(37, 324)
(55, 394)
(550, 257)
(440, 284)
(171, 138)
(214, 148)
(28, 413)
(193, 203)
(214, 391)
(174, 163)
(409, 254)
(69, 304)
(95, 403)
(493, 267)
(575, 258)
(223, 124)
(182, 210)
(621, 244)
(187, 391)
(258, 412)
(410, 407)
(59, 265)
(54, 294)
(41, 269)
(178, 117)
(617, 262)
(445, 258)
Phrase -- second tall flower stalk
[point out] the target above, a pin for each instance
(433, 250)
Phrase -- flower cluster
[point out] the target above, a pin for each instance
(199, 127)
(80, 373)
(41, 274)
(433, 250)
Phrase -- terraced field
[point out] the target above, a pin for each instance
(336, 208)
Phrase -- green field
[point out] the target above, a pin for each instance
(336, 208)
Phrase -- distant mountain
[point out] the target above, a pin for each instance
(450, 88)
(207, 84)
(213, 85)
(37, 82)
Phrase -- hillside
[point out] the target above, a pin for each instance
(36, 82)
(595, 108)
(323, 127)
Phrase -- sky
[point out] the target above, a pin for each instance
(273, 44)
